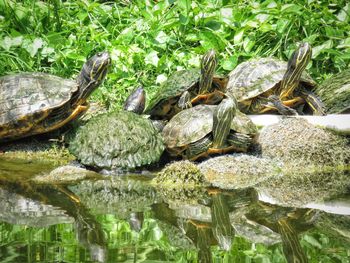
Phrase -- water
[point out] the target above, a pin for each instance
(125, 219)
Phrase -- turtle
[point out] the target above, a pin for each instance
(121, 140)
(185, 88)
(254, 81)
(207, 129)
(34, 103)
(335, 93)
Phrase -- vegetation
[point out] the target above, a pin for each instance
(150, 39)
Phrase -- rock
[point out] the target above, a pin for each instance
(65, 174)
(298, 144)
(182, 173)
(238, 171)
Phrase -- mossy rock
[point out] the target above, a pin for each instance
(298, 144)
(182, 173)
(65, 174)
(238, 170)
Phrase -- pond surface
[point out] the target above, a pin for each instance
(125, 219)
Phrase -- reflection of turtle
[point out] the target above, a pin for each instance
(118, 140)
(252, 82)
(207, 129)
(188, 87)
(288, 222)
(335, 92)
(34, 103)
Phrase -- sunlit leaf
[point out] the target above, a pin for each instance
(291, 8)
(248, 44)
(152, 58)
(318, 49)
(238, 37)
(230, 64)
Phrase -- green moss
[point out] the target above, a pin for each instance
(180, 174)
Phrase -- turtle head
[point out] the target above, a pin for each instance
(92, 74)
(296, 65)
(208, 66)
(136, 101)
(222, 118)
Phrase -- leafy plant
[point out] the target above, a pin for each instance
(148, 40)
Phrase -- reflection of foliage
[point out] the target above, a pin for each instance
(152, 243)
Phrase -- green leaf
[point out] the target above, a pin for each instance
(318, 49)
(184, 19)
(238, 37)
(311, 240)
(162, 38)
(345, 43)
(230, 64)
(248, 44)
(211, 40)
(184, 5)
(33, 47)
(152, 58)
(291, 8)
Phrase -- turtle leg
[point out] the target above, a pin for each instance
(281, 108)
(208, 98)
(185, 101)
(74, 114)
(315, 103)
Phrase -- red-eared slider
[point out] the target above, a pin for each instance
(253, 81)
(187, 87)
(119, 140)
(207, 129)
(33, 103)
(335, 92)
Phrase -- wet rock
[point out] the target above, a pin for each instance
(298, 143)
(238, 171)
(34, 150)
(65, 174)
(182, 173)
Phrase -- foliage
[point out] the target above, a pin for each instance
(150, 39)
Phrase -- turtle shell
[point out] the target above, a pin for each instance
(27, 98)
(335, 92)
(256, 76)
(117, 140)
(164, 102)
(167, 96)
(193, 124)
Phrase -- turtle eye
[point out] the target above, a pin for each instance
(99, 54)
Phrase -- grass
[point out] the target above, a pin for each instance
(148, 40)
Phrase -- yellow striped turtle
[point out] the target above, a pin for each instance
(254, 81)
(188, 87)
(208, 129)
(34, 103)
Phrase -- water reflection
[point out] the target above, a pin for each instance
(42, 206)
(124, 219)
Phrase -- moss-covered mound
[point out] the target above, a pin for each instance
(238, 171)
(299, 144)
(182, 173)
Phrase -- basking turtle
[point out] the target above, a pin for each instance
(34, 103)
(187, 87)
(119, 140)
(207, 129)
(335, 92)
(254, 81)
